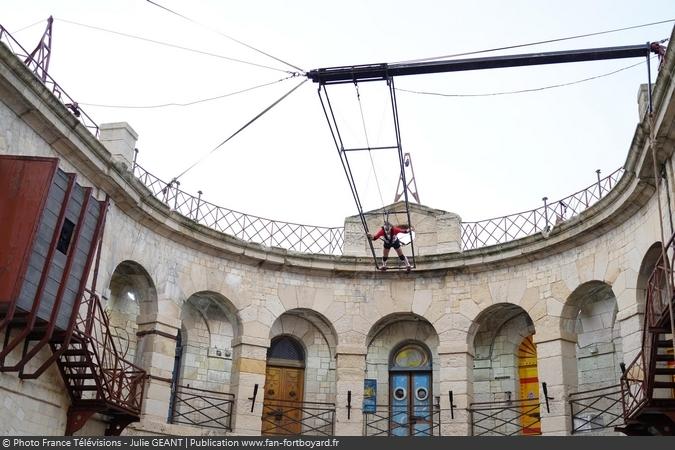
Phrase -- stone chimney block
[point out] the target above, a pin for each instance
(120, 140)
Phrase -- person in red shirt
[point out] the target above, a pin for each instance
(388, 234)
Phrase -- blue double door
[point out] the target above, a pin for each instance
(410, 402)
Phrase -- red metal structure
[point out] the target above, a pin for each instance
(648, 383)
(51, 228)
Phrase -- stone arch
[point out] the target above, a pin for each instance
(390, 333)
(209, 325)
(494, 338)
(589, 316)
(647, 266)
(318, 338)
(132, 296)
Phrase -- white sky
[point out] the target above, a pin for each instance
(479, 157)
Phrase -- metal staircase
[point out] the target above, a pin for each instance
(98, 380)
(648, 383)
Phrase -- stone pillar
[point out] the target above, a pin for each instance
(349, 375)
(249, 363)
(120, 140)
(557, 367)
(155, 353)
(631, 314)
(456, 375)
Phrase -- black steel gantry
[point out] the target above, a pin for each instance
(387, 72)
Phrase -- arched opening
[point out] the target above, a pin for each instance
(590, 314)
(209, 324)
(284, 386)
(132, 295)
(203, 362)
(505, 372)
(647, 267)
(402, 383)
(300, 386)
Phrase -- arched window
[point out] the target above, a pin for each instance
(410, 356)
(286, 351)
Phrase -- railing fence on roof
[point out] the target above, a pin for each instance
(47, 80)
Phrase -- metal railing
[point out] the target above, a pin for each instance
(119, 382)
(272, 233)
(505, 418)
(329, 240)
(285, 417)
(401, 421)
(515, 226)
(637, 381)
(47, 80)
(596, 409)
(202, 408)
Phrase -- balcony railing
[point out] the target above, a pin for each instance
(515, 226)
(272, 233)
(284, 417)
(401, 421)
(329, 240)
(202, 408)
(596, 409)
(505, 418)
(47, 80)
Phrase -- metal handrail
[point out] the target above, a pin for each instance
(202, 407)
(42, 75)
(503, 418)
(284, 417)
(268, 232)
(596, 409)
(500, 230)
(329, 240)
(386, 418)
(121, 382)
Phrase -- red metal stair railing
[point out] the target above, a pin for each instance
(648, 383)
(98, 379)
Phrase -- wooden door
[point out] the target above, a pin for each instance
(282, 407)
(529, 387)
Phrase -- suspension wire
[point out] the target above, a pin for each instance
(28, 26)
(548, 41)
(522, 91)
(176, 46)
(223, 34)
(370, 153)
(397, 130)
(237, 132)
(339, 145)
(164, 105)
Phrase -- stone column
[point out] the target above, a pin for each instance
(349, 375)
(456, 375)
(631, 314)
(557, 367)
(155, 352)
(249, 363)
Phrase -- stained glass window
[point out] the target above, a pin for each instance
(411, 356)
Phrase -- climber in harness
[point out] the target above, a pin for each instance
(388, 233)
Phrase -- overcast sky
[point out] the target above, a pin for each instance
(479, 157)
